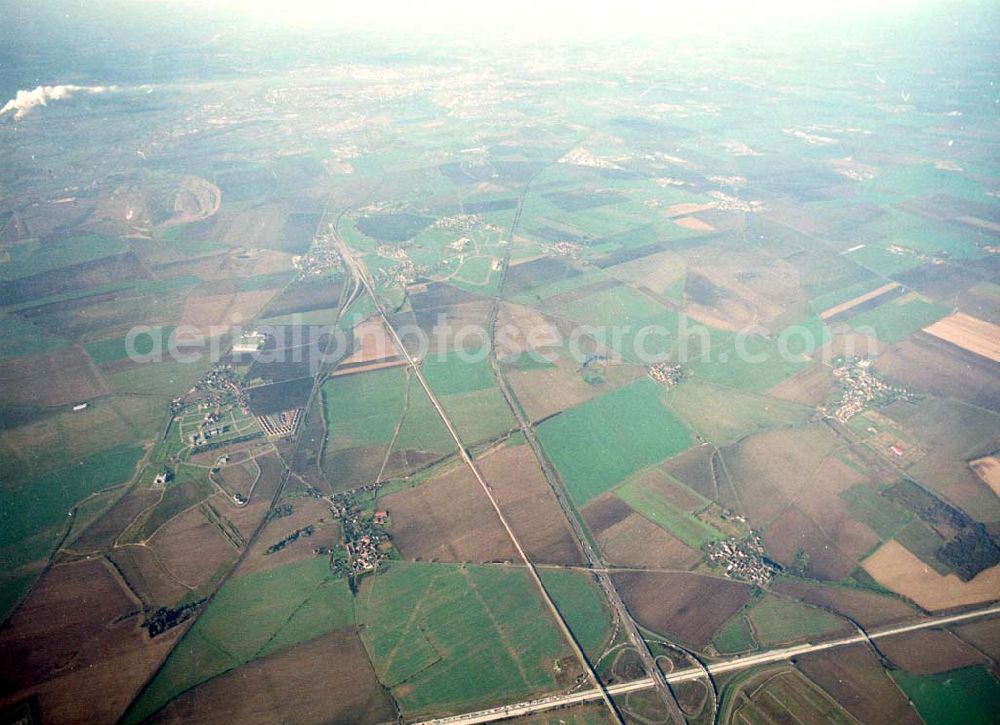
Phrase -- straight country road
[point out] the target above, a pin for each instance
(593, 559)
(360, 271)
(693, 673)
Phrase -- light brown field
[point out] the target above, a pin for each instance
(969, 333)
(988, 469)
(685, 208)
(371, 342)
(860, 299)
(636, 542)
(325, 680)
(77, 645)
(530, 506)
(521, 329)
(694, 224)
(545, 391)
(447, 518)
(192, 548)
(207, 311)
(63, 377)
(654, 272)
(896, 568)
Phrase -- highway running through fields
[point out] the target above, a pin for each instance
(693, 673)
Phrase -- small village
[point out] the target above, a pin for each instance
(322, 258)
(742, 559)
(365, 539)
(666, 374)
(860, 389)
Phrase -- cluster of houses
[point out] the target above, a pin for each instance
(742, 559)
(861, 388)
(220, 382)
(321, 259)
(665, 373)
(280, 425)
(365, 537)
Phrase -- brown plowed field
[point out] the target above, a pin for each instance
(103, 532)
(856, 680)
(793, 531)
(529, 505)
(867, 608)
(146, 576)
(637, 542)
(63, 377)
(325, 680)
(813, 386)
(689, 607)
(929, 651)
(447, 518)
(926, 364)
(192, 548)
(76, 643)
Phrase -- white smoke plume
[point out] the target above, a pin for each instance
(24, 101)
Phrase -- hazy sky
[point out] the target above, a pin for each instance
(563, 17)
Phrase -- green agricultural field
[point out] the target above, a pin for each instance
(925, 542)
(364, 408)
(735, 636)
(899, 318)
(842, 295)
(603, 441)
(886, 518)
(393, 227)
(883, 262)
(34, 257)
(422, 428)
(40, 506)
(618, 305)
(643, 496)
(19, 336)
(252, 615)
(754, 363)
(452, 638)
(469, 394)
(582, 604)
(776, 620)
(528, 361)
(723, 415)
(969, 696)
(168, 379)
(115, 348)
(457, 372)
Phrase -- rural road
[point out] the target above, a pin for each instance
(360, 271)
(596, 564)
(693, 673)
